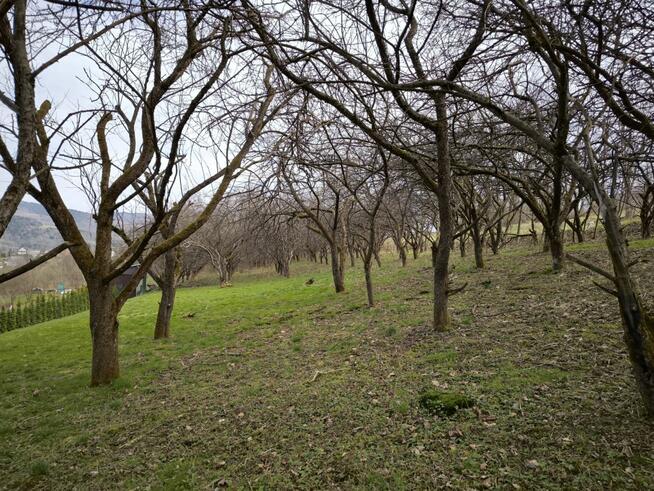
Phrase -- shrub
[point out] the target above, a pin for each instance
(43, 308)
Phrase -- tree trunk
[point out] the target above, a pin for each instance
(496, 241)
(477, 241)
(104, 334)
(162, 328)
(441, 317)
(553, 228)
(441, 255)
(578, 225)
(402, 251)
(555, 242)
(638, 323)
(283, 268)
(556, 250)
(479, 250)
(337, 269)
(366, 269)
(646, 212)
(168, 290)
(645, 230)
(534, 234)
(639, 338)
(462, 247)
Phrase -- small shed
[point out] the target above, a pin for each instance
(121, 281)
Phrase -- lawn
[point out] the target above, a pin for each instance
(273, 384)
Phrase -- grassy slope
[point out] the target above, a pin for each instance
(273, 384)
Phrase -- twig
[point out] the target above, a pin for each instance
(607, 290)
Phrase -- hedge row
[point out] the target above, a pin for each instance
(43, 308)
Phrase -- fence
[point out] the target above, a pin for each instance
(43, 308)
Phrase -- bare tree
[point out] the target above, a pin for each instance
(401, 38)
(368, 185)
(145, 89)
(26, 59)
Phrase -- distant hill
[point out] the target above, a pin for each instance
(32, 228)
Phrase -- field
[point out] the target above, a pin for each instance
(274, 384)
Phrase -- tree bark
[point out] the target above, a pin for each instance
(496, 238)
(441, 254)
(282, 268)
(337, 268)
(638, 323)
(369, 290)
(646, 212)
(104, 333)
(402, 251)
(555, 247)
(553, 228)
(168, 290)
(162, 328)
(578, 225)
(478, 244)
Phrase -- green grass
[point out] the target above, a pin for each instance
(634, 244)
(273, 384)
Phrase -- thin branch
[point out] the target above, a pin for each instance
(592, 267)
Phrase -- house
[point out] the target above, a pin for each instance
(121, 281)
(21, 252)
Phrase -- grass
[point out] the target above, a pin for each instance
(595, 246)
(274, 384)
(444, 403)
